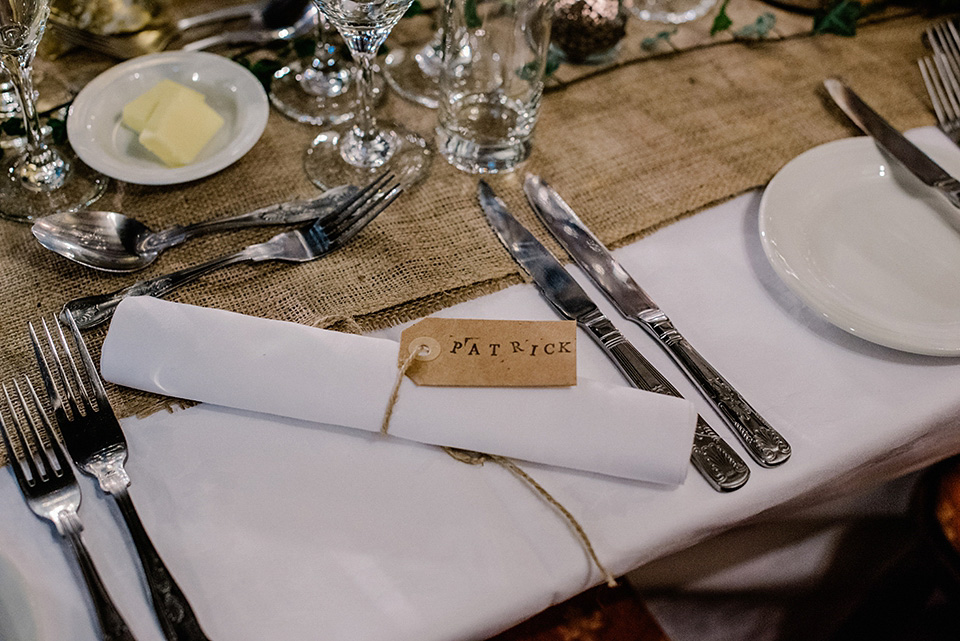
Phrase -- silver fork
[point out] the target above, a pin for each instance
(943, 88)
(944, 40)
(297, 246)
(97, 446)
(52, 492)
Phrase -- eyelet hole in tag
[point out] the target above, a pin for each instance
(458, 352)
(428, 348)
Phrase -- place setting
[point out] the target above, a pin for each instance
(374, 419)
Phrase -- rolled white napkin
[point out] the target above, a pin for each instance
(301, 372)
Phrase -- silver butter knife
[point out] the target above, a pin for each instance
(873, 124)
(716, 461)
(763, 443)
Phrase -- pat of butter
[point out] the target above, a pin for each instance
(179, 127)
(137, 112)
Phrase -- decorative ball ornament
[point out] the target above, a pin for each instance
(587, 31)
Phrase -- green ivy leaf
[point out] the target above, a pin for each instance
(529, 70)
(415, 9)
(304, 46)
(470, 14)
(58, 130)
(651, 42)
(839, 18)
(759, 29)
(722, 21)
(554, 58)
(263, 69)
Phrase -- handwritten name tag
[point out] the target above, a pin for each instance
(459, 352)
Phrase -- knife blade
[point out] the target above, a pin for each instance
(891, 140)
(713, 457)
(761, 441)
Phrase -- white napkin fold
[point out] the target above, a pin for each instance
(301, 372)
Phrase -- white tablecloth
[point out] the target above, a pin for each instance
(278, 529)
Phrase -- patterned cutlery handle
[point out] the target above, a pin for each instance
(91, 311)
(174, 613)
(112, 625)
(713, 457)
(761, 441)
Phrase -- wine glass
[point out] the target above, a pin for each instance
(415, 73)
(41, 179)
(316, 88)
(9, 105)
(367, 147)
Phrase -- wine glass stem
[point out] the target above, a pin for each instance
(365, 126)
(321, 51)
(20, 76)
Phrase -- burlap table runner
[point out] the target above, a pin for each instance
(633, 148)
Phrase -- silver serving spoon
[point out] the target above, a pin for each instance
(112, 242)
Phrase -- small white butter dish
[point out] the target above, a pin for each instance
(99, 138)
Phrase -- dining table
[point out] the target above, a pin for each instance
(280, 528)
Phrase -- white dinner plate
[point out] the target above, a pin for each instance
(17, 622)
(101, 141)
(867, 245)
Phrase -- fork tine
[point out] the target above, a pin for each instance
(951, 89)
(74, 401)
(335, 228)
(944, 46)
(30, 456)
(931, 78)
(949, 42)
(374, 207)
(99, 392)
(358, 199)
(73, 364)
(53, 394)
(42, 428)
(17, 462)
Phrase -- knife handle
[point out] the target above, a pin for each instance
(762, 442)
(950, 188)
(713, 457)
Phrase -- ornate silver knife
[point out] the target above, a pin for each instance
(763, 442)
(716, 461)
(873, 124)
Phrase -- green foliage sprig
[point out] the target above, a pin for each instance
(650, 43)
(721, 22)
(839, 17)
(756, 30)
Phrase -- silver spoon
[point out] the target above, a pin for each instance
(112, 242)
(304, 25)
(271, 14)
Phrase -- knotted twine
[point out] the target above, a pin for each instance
(479, 458)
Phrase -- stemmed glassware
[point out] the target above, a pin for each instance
(42, 179)
(368, 147)
(415, 73)
(317, 88)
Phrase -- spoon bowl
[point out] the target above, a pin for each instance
(105, 240)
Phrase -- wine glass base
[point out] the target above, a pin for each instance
(289, 97)
(409, 161)
(405, 76)
(19, 203)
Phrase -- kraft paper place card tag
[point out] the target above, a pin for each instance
(459, 352)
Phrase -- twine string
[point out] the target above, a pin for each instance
(479, 458)
(395, 392)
